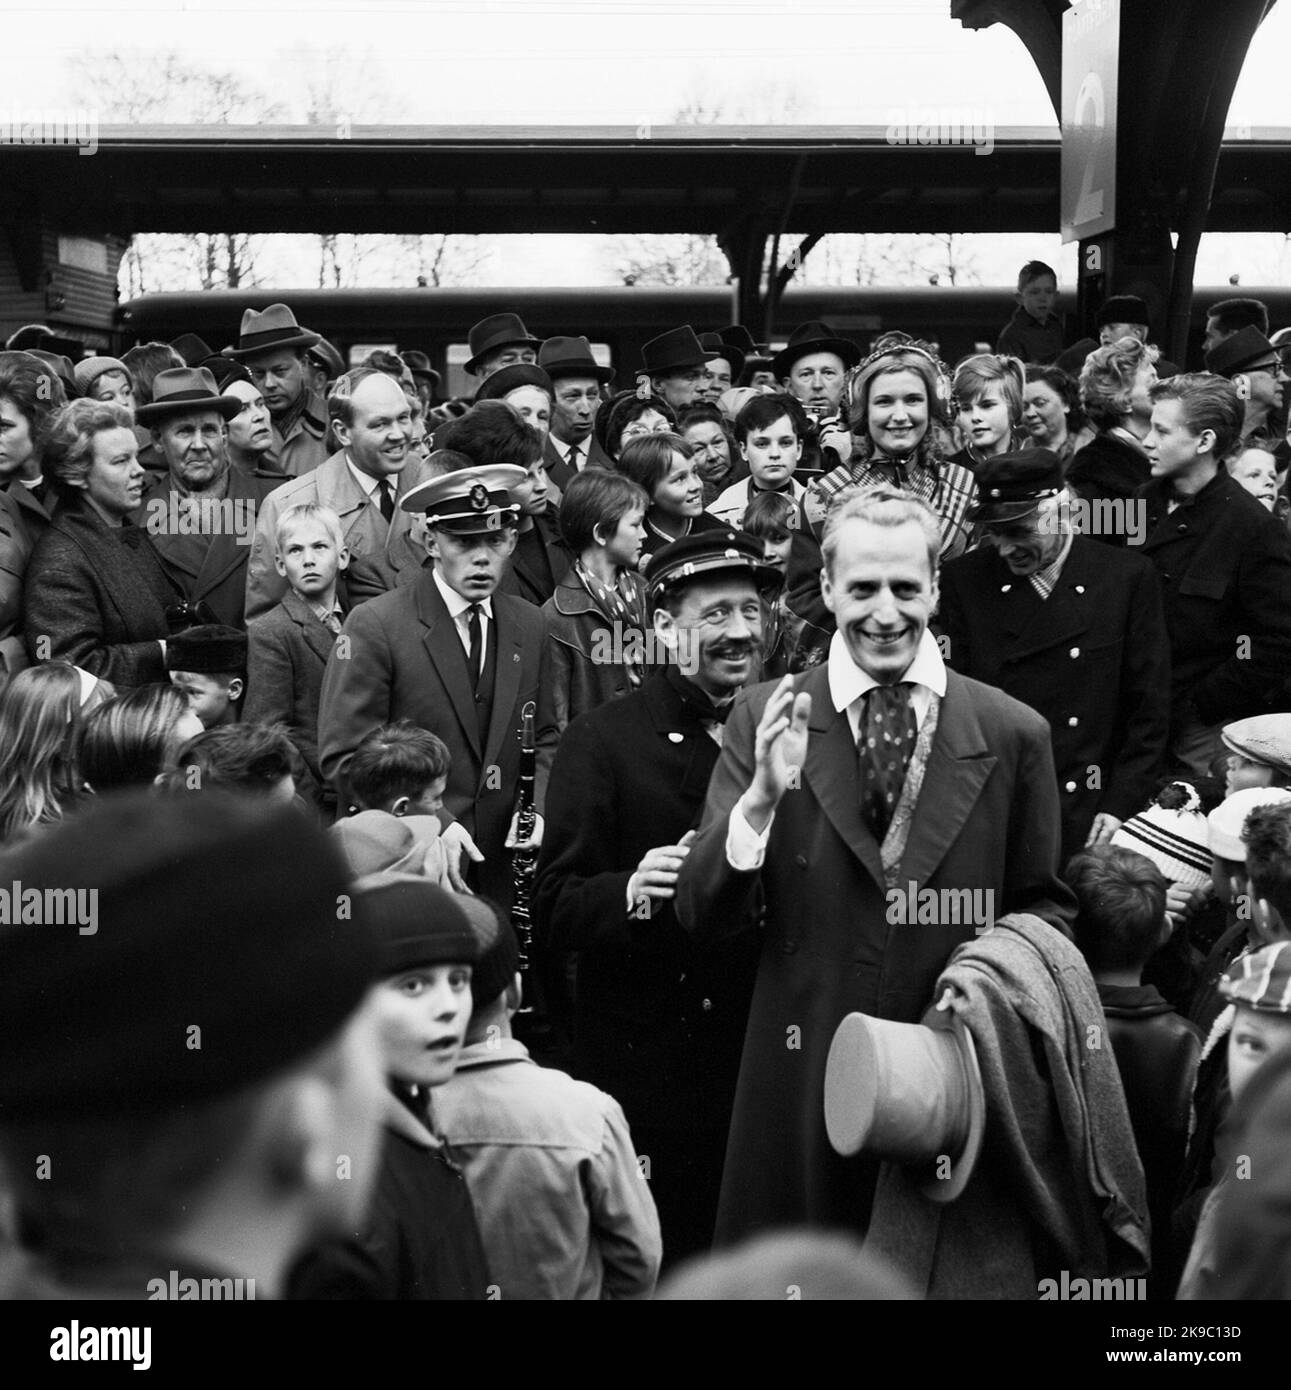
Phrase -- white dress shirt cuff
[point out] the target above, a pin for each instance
(745, 848)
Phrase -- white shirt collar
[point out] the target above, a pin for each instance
(847, 682)
(455, 603)
(365, 480)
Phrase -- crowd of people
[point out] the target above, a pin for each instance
(814, 815)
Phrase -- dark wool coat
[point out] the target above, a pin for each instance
(400, 657)
(531, 582)
(1225, 568)
(216, 573)
(589, 451)
(23, 520)
(1093, 658)
(987, 819)
(98, 601)
(1107, 469)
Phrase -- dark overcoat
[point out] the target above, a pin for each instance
(400, 657)
(1107, 469)
(1093, 658)
(94, 600)
(589, 451)
(834, 942)
(1225, 569)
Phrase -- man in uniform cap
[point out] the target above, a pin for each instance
(274, 347)
(658, 1022)
(577, 378)
(833, 794)
(1070, 627)
(1254, 366)
(456, 657)
(201, 512)
(675, 363)
(189, 1058)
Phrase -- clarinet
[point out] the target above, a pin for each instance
(523, 862)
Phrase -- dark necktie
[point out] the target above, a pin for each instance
(886, 740)
(573, 458)
(386, 501)
(475, 630)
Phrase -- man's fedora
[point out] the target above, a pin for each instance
(419, 365)
(910, 1093)
(816, 336)
(498, 330)
(192, 349)
(275, 328)
(674, 351)
(183, 389)
(737, 336)
(561, 357)
(717, 346)
(1246, 351)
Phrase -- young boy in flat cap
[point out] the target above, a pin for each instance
(565, 1211)
(183, 1067)
(420, 1239)
(208, 666)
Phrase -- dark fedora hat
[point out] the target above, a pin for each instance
(561, 357)
(508, 379)
(1013, 485)
(702, 554)
(192, 349)
(717, 346)
(276, 327)
(910, 1093)
(737, 336)
(419, 365)
(326, 355)
(184, 389)
(816, 336)
(498, 330)
(1245, 351)
(673, 350)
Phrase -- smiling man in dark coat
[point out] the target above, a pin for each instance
(658, 1022)
(1072, 628)
(840, 796)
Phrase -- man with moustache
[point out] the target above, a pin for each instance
(200, 512)
(273, 347)
(577, 378)
(835, 791)
(455, 656)
(363, 483)
(1053, 619)
(658, 1020)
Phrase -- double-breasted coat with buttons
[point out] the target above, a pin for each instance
(1093, 658)
(1225, 569)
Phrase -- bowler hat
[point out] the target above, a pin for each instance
(1263, 738)
(324, 354)
(182, 389)
(508, 379)
(703, 554)
(419, 365)
(192, 349)
(468, 501)
(672, 351)
(816, 336)
(275, 328)
(498, 330)
(716, 346)
(562, 357)
(1122, 308)
(1246, 350)
(1013, 485)
(910, 1093)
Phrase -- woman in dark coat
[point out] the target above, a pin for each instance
(597, 621)
(96, 593)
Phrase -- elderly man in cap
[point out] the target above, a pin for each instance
(812, 367)
(877, 779)
(455, 656)
(658, 1019)
(363, 483)
(1254, 366)
(1072, 628)
(577, 378)
(191, 1086)
(201, 513)
(273, 347)
(676, 363)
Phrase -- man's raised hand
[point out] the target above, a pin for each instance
(779, 750)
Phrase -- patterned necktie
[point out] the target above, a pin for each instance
(386, 501)
(886, 740)
(573, 458)
(475, 630)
